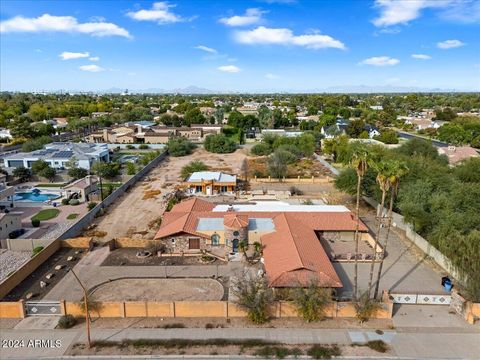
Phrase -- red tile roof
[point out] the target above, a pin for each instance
(292, 252)
(235, 221)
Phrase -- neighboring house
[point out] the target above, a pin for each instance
(82, 188)
(141, 132)
(5, 134)
(6, 192)
(210, 183)
(293, 255)
(372, 131)
(419, 124)
(57, 155)
(456, 154)
(281, 132)
(376, 107)
(9, 222)
(99, 114)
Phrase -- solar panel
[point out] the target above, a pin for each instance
(63, 154)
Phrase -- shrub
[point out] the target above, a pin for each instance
(366, 307)
(91, 205)
(35, 222)
(261, 149)
(130, 147)
(311, 302)
(277, 351)
(254, 296)
(74, 202)
(377, 345)
(66, 322)
(324, 352)
(22, 173)
(144, 147)
(37, 249)
(173, 326)
(65, 201)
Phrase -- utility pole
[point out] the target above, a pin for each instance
(87, 316)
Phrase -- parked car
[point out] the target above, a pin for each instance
(16, 233)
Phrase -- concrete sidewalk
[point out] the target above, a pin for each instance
(418, 345)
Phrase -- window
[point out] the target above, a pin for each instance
(198, 188)
(193, 244)
(236, 233)
(173, 241)
(223, 189)
(215, 239)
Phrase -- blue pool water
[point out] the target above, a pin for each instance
(36, 196)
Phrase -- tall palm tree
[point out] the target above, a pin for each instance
(358, 161)
(383, 168)
(398, 169)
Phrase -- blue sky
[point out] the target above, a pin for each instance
(268, 45)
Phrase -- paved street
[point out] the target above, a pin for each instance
(418, 344)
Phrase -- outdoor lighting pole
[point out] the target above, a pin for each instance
(87, 317)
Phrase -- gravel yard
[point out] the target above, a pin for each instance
(32, 283)
(11, 261)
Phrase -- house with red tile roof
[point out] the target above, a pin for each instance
(290, 235)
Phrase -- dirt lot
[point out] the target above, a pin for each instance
(181, 349)
(305, 168)
(32, 283)
(132, 216)
(159, 290)
(127, 257)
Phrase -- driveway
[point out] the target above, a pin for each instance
(404, 269)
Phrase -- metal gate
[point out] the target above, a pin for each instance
(423, 299)
(43, 308)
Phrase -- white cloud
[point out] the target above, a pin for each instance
(67, 55)
(206, 48)
(449, 44)
(380, 61)
(421, 56)
(160, 13)
(252, 16)
(393, 12)
(271, 76)
(91, 68)
(94, 58)
(283, 36)
(229, 68)
(67, 24)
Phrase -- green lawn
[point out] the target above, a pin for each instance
(51, 185)
(72, 216)
(46, 214)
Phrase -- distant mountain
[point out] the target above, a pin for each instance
(382, 89)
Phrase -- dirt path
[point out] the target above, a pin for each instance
(132, 216)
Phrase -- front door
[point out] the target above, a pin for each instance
(235, 245)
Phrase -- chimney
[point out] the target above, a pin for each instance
(88, 179)
(230, 208)
(139, 128)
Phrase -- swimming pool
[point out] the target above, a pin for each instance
(35, 195)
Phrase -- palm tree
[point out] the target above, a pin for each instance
(383, 168)
(398, 169)
(358, 161)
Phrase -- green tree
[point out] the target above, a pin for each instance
(359, 162)
(265, 117)
(74, 171)
(38, 166)
(180, 146)
(22, 173)
(106, 170)
(278, 163)
(131, 168)
(191, 167)
(48, 173)
(219, 144)
(397, 170)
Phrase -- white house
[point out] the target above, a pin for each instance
(58, 154)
